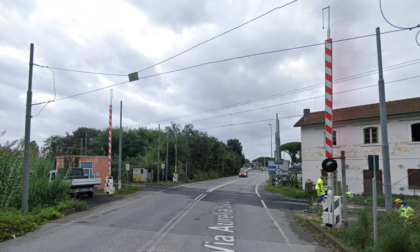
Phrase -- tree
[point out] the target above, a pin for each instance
(235, 146)
(294, 150)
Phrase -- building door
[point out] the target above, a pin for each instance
(87, 169)
(367, 182)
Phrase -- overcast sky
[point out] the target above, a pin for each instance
(121, 37)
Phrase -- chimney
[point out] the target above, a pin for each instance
(306, 114)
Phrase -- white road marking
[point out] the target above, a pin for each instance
(198, 196)
(256, 187)
(276, 224)
(162, 232)
(217, 187)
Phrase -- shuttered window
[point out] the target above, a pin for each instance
(415, 132)
(413, 178)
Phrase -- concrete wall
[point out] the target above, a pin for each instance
(100, 165)
(404, 154)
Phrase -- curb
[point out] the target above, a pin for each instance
(328, 238)
(68, 211)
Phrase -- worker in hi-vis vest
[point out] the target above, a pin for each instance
(320, 189)
(349, 193)
(405, 210)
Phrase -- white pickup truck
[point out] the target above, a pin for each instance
(80, 183)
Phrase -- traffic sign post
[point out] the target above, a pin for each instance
(127, 168)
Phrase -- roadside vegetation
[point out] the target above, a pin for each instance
(291, 192)
(46, 200)
(394, 235)
(207, 157)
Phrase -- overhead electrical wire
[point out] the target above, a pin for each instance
(340, 80)
(345, 91)
(208, 40)
(187, 50)
(87, 72)
(400, 27)
(214, 62)
(53, 86)
(258, 121)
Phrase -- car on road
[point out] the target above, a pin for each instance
(243, 172)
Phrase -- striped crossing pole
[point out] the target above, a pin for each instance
(328, 99)
(110, 135)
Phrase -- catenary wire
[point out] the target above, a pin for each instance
(54, 89)
(395, 26)
(86, 72)
(345, 91)
(400, 27)
(208, 40)
(340, 80)
(214, 62)
(230, 125)
(178, 54)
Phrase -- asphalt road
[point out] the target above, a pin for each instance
(228, 214)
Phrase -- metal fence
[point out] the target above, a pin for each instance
(366, 205)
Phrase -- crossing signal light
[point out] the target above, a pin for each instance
(329, 165)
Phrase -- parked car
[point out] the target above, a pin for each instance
(80, 183)
(243, 173)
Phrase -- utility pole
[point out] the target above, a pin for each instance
(176, 152)
(120, 149)
(25, 187)
(271, 138)
(384, 127)
(344, 185)
(158, 168)
(167, 147)
(81, 146)
(85, 142)
(278, 151)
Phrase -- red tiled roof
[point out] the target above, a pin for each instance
(398, 107)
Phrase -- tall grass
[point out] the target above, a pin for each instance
(394, 235)
(291, 192)
(11, 161)
(41, 191)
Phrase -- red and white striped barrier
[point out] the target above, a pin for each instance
(110, 138)
(328, 99)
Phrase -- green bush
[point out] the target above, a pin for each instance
(72, 203)
(359, 235)
(394, 234)
(43, 192)
(200, 175)
(291, 192)
(13, 222)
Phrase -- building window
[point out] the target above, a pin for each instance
(141, 171)
(413, 178)
(334, 137)
(415, 132)
(370, 135)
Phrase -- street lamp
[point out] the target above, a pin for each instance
(271, 137)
